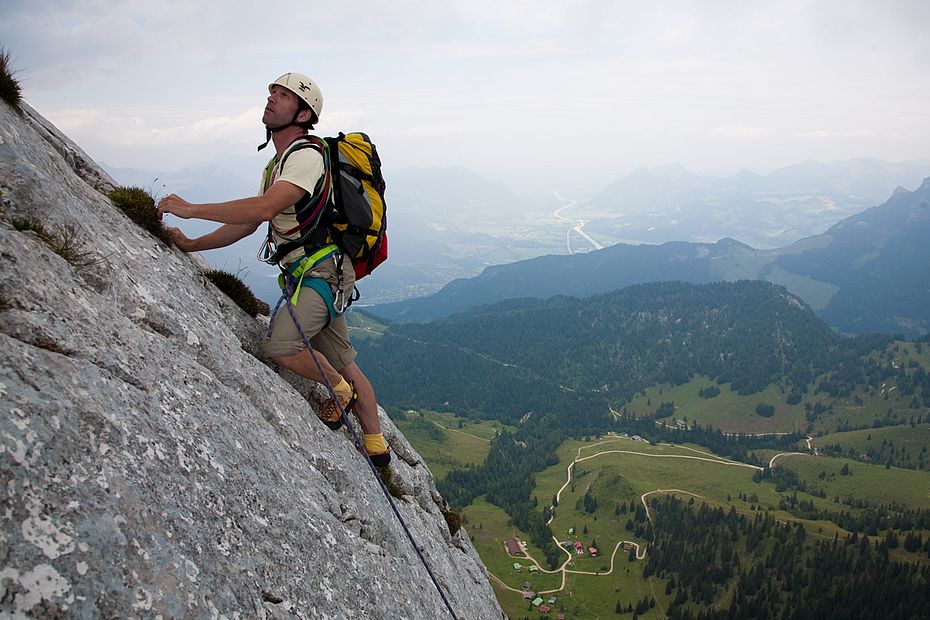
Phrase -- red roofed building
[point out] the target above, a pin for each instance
(513, 547)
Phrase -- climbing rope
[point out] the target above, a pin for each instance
(287, 295)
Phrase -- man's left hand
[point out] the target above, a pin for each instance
(175, 205)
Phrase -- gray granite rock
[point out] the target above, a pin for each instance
(151, 465)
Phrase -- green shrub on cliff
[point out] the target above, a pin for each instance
(236, 290)
(9, 85)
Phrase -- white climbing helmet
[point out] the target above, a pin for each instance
(303, 87)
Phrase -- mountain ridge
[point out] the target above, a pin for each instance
(747, 333)
(901, 219)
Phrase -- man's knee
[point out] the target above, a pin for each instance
(352, 371)
(297, 359)
(284, 360)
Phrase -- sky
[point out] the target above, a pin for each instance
(540, 95)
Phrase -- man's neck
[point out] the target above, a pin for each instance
(282, 139)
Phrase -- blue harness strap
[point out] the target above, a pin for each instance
(296, 273)
(322, 287)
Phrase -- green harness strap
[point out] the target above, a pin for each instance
(298, 271)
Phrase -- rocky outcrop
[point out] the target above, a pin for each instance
(152, 465)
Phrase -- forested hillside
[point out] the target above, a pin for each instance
(566, 367)
(880, 262)
(728, 565)
(524, 356)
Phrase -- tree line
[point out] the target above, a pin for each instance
(724, 564)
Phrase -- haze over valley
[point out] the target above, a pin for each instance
(448, 223)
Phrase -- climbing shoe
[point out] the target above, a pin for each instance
(380, 460)
(329, 412)
(377, 449)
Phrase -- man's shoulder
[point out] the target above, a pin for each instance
(302, 167)
(302, 153)
(305, 147)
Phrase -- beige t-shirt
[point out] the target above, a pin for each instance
(302, 168)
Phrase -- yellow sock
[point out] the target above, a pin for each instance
(343, 390)
(375, 444)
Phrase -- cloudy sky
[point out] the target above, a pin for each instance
(538, 94)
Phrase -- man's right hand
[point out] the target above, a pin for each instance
(182, 241)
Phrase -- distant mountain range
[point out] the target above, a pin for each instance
(199, 183)
(448, 223)
(867, 273)
(668, 203)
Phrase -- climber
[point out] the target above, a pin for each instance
(293, 107)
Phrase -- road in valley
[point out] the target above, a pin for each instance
(578, 228)
(638, 549)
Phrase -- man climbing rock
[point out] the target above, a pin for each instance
(296, 190)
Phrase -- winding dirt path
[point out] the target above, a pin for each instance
(640, 549)
(772, 461)
(456, 430)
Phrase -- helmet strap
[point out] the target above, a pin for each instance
(267, 139)
(271, 130)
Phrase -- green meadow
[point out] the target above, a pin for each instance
(903, 353)
(876, 484)
(906, 445)
(362, 326)
(584, 596)
(618, 472)
(447, 442)
(734, 413)
(728, 411)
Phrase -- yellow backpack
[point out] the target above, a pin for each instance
(358, 224)
(356, 218)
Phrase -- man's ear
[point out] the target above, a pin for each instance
(304, 115)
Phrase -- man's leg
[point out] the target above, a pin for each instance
(285, 346)
(333, 343)
(366, 409)
(301, 363)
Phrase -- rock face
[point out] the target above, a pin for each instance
(152, 465)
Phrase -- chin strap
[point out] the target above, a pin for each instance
(268, 132)
(271, 130)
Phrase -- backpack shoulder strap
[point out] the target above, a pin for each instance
(310, 208)
(298, 144)
(305, 142)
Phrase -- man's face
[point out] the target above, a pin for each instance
(281, 107)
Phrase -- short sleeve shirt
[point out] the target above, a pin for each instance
(302, 168)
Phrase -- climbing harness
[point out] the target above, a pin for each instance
(289, 295)
(337, 302)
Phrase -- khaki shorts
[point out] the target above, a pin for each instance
(311, 311)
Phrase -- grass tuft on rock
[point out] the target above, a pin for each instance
(453, 520)
(387, 477)
(139, 205)
(235, 289)
(28, 224)
(10, 90)
(64, 240)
